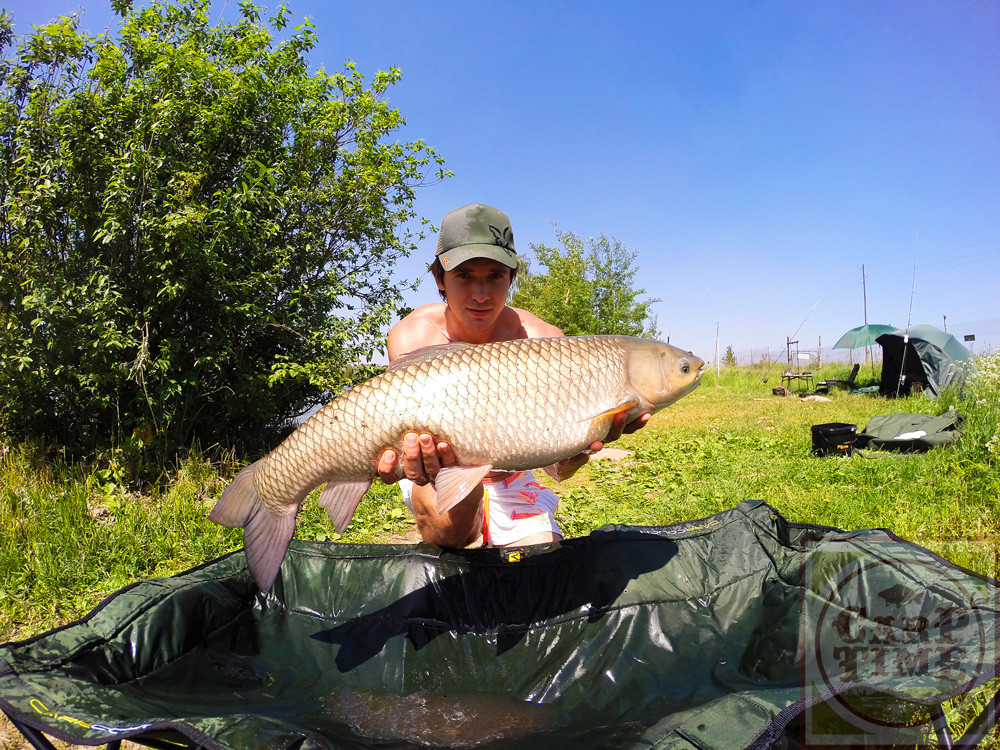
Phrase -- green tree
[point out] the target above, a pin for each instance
(586, 288)
(730, 359)
(196, 232)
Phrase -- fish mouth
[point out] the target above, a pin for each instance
(691, 362)
(697, 377)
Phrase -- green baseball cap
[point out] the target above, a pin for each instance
(475, 231)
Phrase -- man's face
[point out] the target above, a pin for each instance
(477, 290)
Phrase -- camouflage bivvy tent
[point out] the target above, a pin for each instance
(740, 630)
(922, 357)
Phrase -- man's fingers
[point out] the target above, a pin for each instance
(429, 455)
(615, 431)
(423, 457)
(413, 464)
(569, 467)
(386, 466)
(619, 426)
(637, 423)
(446, 454)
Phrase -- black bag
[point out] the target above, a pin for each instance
(833, 439)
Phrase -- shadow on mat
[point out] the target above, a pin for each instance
(504, 599)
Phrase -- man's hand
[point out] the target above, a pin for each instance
(620, 426)
(422, 459)
(568, 467)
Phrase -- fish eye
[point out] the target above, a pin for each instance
(685, 367)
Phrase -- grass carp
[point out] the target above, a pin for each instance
(503, 406)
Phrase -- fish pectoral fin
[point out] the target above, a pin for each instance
(454, 483)
(622, 408)
(341, 499)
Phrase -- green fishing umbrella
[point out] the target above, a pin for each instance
(862, 336)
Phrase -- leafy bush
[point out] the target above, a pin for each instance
(196, 234)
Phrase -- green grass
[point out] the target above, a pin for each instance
(69, 536)
(719, 447)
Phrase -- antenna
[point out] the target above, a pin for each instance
(864, 292)
(864, 298)
(909, 318)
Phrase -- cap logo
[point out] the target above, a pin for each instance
(504, 239)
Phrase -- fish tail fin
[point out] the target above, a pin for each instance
(265, 541)
(266, 535)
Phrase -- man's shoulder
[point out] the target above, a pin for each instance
(422, 327)
(430, 311)
(535, 327)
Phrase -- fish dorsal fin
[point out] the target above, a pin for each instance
(425, 353)
(341, 499)
(454, 483)
(238, 501)
(620, 408)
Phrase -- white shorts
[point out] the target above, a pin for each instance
(515, 508)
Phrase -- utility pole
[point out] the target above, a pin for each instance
(864, 296)
(718, 365)
(788, 352)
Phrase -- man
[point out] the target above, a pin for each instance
(474, 267)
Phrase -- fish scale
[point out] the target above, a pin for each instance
(507, 406)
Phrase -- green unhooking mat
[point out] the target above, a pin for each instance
(910, 432)
(716, 633)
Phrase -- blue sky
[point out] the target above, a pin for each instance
(753, 154)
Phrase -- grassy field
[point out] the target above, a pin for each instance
(70, 536)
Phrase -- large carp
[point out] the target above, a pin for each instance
(503, 406)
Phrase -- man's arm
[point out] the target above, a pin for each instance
(422, 456)
(421, 460)
(418, 329)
